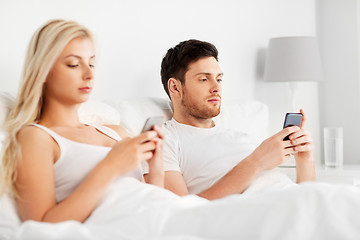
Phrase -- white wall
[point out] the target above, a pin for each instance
(134, 35)
(338, 34)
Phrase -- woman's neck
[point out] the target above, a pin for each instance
(58, 114)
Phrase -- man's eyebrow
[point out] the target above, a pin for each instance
(77, 56)
(207, 74)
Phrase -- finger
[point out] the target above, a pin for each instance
(147, 146)
(288, 156)
(298, 134)
(304, 119)
(159, 131)
(289, 151)
(301, 140)
(304, 147)
(287, 144)
(156, 140)
(159, 145)
(158, 150)
(287, 131)
(146, 136)
(147, 156)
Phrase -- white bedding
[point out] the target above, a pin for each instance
(272, 207)
(134, 210)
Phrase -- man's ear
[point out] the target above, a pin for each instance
(175, 87)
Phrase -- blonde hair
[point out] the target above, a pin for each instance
(45, 46)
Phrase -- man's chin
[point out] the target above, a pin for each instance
(212, 113)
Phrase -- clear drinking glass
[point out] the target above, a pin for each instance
(333, 147)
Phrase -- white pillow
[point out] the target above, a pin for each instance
(134, 112)
(6, 103)
(9, 219)
(250, 117)
(97, 112)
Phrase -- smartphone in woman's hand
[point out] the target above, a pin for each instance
(151, 121)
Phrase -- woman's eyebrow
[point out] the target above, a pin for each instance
(77, 56)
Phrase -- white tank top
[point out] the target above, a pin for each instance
(77, 160)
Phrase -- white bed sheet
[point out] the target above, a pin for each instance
(134, 210)
(272, 208)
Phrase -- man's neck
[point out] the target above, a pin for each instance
(193, 121)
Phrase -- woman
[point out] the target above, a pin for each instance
(58, 167)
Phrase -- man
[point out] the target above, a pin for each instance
(200, 158)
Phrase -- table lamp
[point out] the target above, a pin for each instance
(293, 60)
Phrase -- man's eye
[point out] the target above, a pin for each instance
(219, 80)
(92, 66)
(203, 79)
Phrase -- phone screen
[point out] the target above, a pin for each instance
(151, 121)
(292, 119)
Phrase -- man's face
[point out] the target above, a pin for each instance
(201, 93)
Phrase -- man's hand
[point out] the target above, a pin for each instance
(303, 145)
(274, 151)
(302, 142)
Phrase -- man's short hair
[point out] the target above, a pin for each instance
(177, 59)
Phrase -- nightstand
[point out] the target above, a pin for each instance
(348, 174)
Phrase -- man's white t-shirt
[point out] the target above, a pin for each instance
(203, 155)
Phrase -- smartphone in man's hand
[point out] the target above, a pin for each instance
(292, 119)
(151, 121)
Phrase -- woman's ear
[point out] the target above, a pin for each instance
(174, 87)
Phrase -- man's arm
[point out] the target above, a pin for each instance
(237, 180)
(305, 169)
(174, 181)
(270, 154)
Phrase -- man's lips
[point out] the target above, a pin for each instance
(214, 100)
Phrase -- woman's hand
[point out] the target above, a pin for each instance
(156, 170)
(126, 155)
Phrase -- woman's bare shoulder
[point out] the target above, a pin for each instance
(33, 135)
(119, 129)
(37, 146)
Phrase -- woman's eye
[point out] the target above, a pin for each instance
(73, 66)
(92, 66)
(219, 80)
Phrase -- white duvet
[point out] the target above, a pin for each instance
(134, 210)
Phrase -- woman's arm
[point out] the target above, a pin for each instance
(35, 180)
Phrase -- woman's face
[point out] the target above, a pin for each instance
(70, 81)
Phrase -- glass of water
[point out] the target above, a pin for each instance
(333, 147)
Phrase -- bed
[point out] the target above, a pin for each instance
(272, 208)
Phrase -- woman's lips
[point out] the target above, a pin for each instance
(85, 89)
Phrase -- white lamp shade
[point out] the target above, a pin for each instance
(293, 59)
